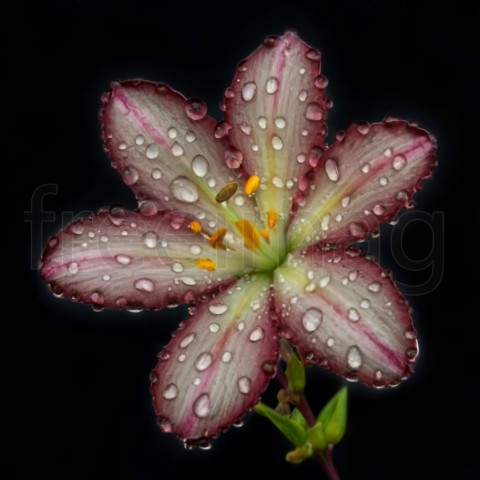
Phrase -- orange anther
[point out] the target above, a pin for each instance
(195, 226)
(249, 233)
(272, 216)
(216, 240)
(252, 184)
(206, 264)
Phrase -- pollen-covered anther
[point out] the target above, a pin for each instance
(206, 264)
(195, 226)
(251, 237)
(252, 184)
(272, 217)
(226, 192)
(265, 234)
(216, 239)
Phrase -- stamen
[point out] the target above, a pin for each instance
(195, 226)
(226, 192)
(252, 184)
(249, 233)
(216, 240)
(206, 264)
(272, 217)
(265, 234)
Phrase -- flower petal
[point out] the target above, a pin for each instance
(121, 259)
(165, 149)
(218, 363)
(343, 312)
(364, 179)
(278, 107)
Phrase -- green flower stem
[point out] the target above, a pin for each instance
(325, 459)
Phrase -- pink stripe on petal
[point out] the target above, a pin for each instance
(121, 259)
(278, 107)
(364, 179)
(343, 312)
(218, 363)
(165, 148)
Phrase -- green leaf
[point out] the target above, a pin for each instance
(333, 417)
(295, 373)
(294, 432)
(316, 437)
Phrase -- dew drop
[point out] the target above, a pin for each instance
(312, 319)
(201, 406)
(123, 259)
(177, 267)
(353, 275)
(182, 357)
(278, 182)
(399, 161)
(354, 357)
(214, 327)
(172, 132)
(272, 85)
(262, 122)
(147, 208)
(122, 146)
(130, 175)
(314, 112)
(241, 326)
(325, 222)
(170, 392)
(184, 190)
(222, 128)
(233, 157)
(144, 285)
(190, 137)
(324, 281)
(188, 281)
(257, 334)
(200, 166)
(195, 250)
(187, 340)
(280, 122)
(248, 91)
(383, 181)
(321, 81)
(365, 303)
(244, 385)
(226, 357)
(156, 174)
(375, 287)
(357, 229)
(331, 169)
(203, 361)
(218, 308)
(353, 315)
(378, 209)
(301, 158)
(330, 342)
(363, 128)
(313, 54)
(152, 151)
(165, 425)
(246, 128)
(177, 150)
(277, 142)
(365, 168)
(195, 108)
(73, 268)
(106, 277)
(387, 152)
(302, 96)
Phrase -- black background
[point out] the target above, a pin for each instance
(76, 383)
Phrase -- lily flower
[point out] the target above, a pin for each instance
(251, 220)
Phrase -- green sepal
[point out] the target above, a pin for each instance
(298, 418)
(333, 417)
(293, 431)
(316, 437)
(295, 373)
(299, 454)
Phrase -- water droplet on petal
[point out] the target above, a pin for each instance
(226, 357)
(387, 152)
(150, 239)
(272, 85)
(365, 168)
(122, 146)
(73, 268)
(172, 132)
(152, 151)
(244, 385)
(312, 319)
(324, 281)
(375, 287)
(331, 169)
(277, 142)
(399, 161)
(184, 190)
(170, 392)
(130, 175)
(195, 108)
(165, 425)
(233, 157)
(246, 128)
(177, 150)
(147, 208)
(354, 357)
(262, 122)
(314, 112)
(280, 122)
(353, 315)
(177, 267)
(139, 140)
(218, 308)
(330, 342)
(144, 285)
(203, 361)
(222, 128)
(248, 91)
(201, 406)
(239, 200)
(187, 340)
(156, 174)
(195, 250)
(357, 229)
(378, 209)
(214, 327)
(365, 303)
(200, 166)
(123, 259)
(321, 81)
(383, 181)
(363, 128)
(313, 54)
(302, 96)
(257, 334)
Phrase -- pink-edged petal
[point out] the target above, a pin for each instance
(122, 259)
(364, 179)
(277, 107)
(343, 311)
(218, 363)
(165, 148)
